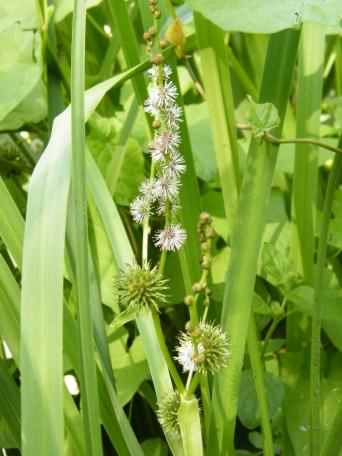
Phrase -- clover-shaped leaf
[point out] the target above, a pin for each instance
(262, 118)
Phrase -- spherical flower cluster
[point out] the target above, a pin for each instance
(203, 349)
(160, 194)
(139, 287)
(167, 413)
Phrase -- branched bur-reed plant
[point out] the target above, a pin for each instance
(203, 347)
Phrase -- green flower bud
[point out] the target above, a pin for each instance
(141, 287)
(167, 413)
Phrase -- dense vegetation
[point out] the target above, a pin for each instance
(170, 227)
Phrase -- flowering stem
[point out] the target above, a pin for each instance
(163, 255)
(188, 382)
(146, 226)
(194, 383)
(162, 262)
(205, 396)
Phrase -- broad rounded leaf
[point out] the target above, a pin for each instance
(263, 16)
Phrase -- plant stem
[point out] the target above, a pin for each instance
(162, 262)
(313, 142)
(205, 399)
(146, 226)
(258, 374)
(274, 140)
(188, 382)
(272, 328)
(320, 282)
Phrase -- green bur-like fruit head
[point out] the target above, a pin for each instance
(141, 287)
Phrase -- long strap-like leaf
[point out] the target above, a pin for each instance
(42, 285)
(246, 240)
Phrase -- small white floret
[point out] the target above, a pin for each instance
(172, 237)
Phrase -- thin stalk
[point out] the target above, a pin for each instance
(146, 226)
(313, 142)
(309, 141)
(258, 374)
(320, 283)
(162, 262)
(188, 383)
(205, 401)
(80, 222)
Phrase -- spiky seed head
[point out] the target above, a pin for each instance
(167, 413)
(141, 287)
(203, 349)
(216, 347)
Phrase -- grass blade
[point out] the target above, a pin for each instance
(217, 85)
(310, 83)
(10, 403)
(11, 224)
(79, 221)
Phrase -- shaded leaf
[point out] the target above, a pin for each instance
(248, 409)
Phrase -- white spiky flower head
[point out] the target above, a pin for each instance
(166, 188)
(147, 189)
(156, 70)
(160, 97)
(164, 143)
(187, 353)
(203, 349)
(174, 115)
(166, 207)
(140, 208)
(175, 165)
(152, 104)
(171, 238)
